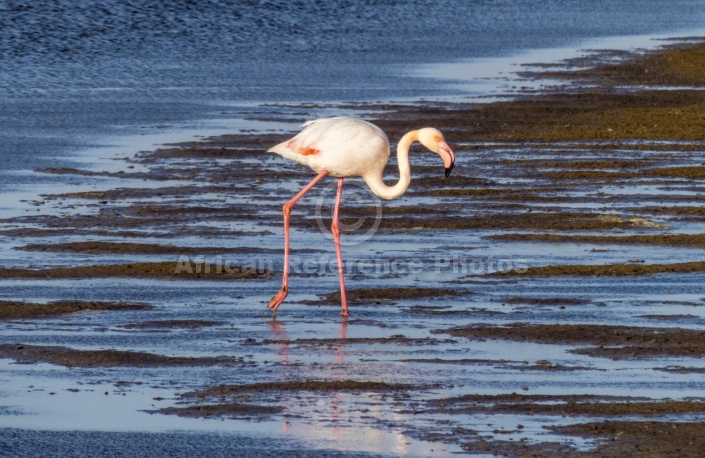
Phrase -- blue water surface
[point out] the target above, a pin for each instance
(75, 71)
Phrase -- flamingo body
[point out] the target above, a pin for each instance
(345, 147)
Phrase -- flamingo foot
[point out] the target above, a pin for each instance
(344, 302)
(277, 300)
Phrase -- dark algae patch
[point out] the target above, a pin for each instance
(232, 410)
(549, 301)
(612, 270)
(695, 240)
(123, 248)
(18, 309)
(683, 370)
(692, 172)
(398, 339)
(442, 310)
(541, 365)
(69, 357)
(299, 385)
(573, 405)
(185, 270)
(670, 317)
(616, 342)
(171, 324)
(679, 64)
(648, 439)
(566, 221)
(384, 295)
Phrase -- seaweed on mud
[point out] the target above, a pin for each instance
(383, 295)
(581, 164)
(349, 341)
(616, 342)
(103, 229)
(171, 324)
(676, 65)
(695, 240)
(690, 172)
(639, 438)
(600, 270)
(542, 365)
(231, 409)
(544, 300)
(70, 357)
(650, 439)
(118, 174)
(670, 317)
(185, 270)
(299, 385)
(549, 220)
(464, 312)
(682, 369)
(21, 310)
(583, 405)
(100, 247)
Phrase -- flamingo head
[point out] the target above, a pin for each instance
(433, 139)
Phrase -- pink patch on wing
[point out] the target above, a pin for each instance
(309, 150)
(304, 151)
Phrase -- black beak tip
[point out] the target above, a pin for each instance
(449, 169)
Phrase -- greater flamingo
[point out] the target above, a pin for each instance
(345, 147)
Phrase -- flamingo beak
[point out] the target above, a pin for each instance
(447, 155)
(449, 169)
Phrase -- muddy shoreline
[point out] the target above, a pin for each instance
(611, 160)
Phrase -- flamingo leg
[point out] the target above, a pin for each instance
(335, 229)
(281, 295)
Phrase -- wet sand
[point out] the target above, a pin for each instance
(562, 260)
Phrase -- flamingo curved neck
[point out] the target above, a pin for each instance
(375, 181)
